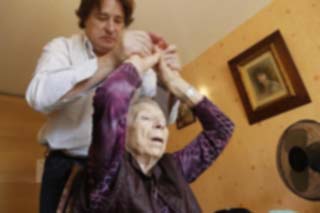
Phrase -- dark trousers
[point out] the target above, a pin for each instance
(56, 172)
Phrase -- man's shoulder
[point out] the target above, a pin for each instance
(65, 41)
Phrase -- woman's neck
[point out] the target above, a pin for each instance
(146, 163)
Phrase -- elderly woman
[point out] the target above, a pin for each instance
(128, 170)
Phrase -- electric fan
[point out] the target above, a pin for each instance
(298, 159)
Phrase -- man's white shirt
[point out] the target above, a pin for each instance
(64, 63)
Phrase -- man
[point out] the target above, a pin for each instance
(127, 169)
(64, 84)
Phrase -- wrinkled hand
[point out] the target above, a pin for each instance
(169, 74)
(142, 64)
(169, 66)
(171, 58)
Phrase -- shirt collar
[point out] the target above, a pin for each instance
(88, 45)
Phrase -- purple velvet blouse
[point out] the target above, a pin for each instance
(111, 104)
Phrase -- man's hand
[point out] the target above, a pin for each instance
(137, 42)
(158, 40)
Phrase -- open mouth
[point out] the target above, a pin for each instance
(157, 140)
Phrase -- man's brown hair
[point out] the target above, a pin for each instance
(86, 6)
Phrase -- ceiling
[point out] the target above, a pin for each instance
(26, 25)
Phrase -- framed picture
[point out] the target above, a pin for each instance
(267, 79)
(185, 116)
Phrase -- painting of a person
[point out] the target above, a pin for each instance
(265, 85)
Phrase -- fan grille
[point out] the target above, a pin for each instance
(293, 160)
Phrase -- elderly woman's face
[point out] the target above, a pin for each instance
(147, 131)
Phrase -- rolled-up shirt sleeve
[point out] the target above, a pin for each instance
(55, 75)
(208, 145)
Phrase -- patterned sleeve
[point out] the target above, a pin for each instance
(207, 146)
(111, 104)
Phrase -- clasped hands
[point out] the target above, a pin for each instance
(148, 50)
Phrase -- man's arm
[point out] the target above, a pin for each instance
(106, 64)
(56, 77)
